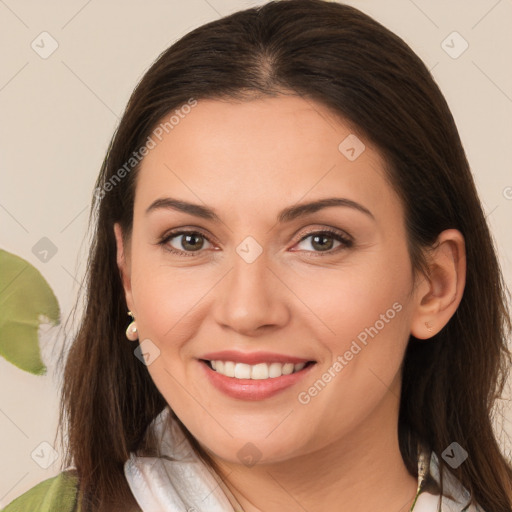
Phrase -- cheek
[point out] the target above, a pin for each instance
(164, 297)
(364, 299)
(164, 300)
(364, 326)
(171, 307)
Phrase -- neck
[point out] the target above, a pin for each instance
(361, 472)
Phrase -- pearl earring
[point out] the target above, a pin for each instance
(131, 331)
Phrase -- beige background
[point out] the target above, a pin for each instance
(58, 114)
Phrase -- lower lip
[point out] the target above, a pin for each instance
(253, 389)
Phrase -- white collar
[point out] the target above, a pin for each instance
(195, 487)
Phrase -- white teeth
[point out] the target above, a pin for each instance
(242, 371)
(260, 371)
(287, 368)
(275, 370)
(229, 369)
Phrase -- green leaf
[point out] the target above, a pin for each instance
(26, 301)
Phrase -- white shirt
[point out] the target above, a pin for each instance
(178, 481)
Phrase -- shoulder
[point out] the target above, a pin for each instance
(57, 493)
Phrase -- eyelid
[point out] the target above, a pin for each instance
(329, 230)
(174, 233)
(345, 239)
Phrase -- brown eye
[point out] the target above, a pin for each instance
(185, 242)
(324, 241)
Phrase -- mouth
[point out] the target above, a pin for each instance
(255, 376)
(260, 371)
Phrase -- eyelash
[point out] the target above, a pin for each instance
(345, 241)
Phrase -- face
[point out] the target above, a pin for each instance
(248, 285)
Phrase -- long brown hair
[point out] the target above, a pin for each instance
(338, 56)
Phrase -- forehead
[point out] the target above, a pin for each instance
(263, 151)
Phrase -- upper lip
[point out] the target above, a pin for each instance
(252, 357)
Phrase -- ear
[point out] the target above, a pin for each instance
(439, 294)
(123, 263)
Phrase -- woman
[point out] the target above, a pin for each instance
(318, 319)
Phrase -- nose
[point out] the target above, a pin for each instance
(251, 299)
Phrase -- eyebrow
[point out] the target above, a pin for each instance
(286, 215)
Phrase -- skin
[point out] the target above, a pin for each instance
(248, 161)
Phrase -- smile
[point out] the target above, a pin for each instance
(260, 371)
(253, 376)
